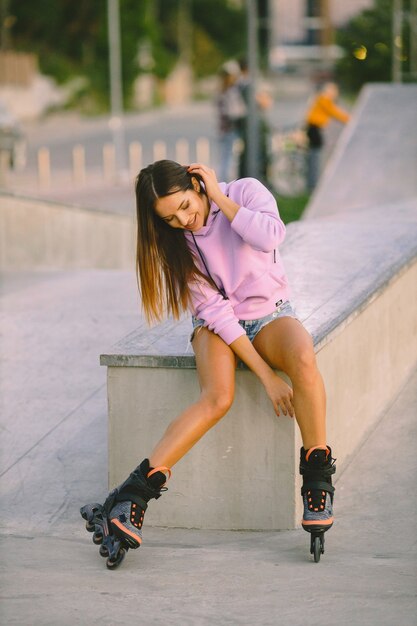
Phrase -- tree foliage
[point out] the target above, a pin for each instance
(71, 38)
(367, 44)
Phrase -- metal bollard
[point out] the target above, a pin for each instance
(109, 162)
(159, 150)
(78, 165)
(4, 167)
(182, 152)
(44, 168)
(135, 158)
(203, 150)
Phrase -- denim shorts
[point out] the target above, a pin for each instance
(252, 327)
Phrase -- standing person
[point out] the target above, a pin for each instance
(263, 102)
(211, 248)
(322, 109)
(231, 109)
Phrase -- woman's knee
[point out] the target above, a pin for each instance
(217, 404)
(303, 365)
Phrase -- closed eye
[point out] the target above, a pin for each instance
(183, 207)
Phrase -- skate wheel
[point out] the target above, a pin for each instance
(90, 527)
(316, 549)
(97, 538)
(317, 546)
(104, 551)
(89, 510)
(113, 563)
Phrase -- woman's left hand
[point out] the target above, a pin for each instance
(209, 179)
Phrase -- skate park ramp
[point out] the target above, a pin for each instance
(375, 160)
(53, 403)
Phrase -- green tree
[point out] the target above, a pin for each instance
(367, 44)
(223, 22)
(71, 38)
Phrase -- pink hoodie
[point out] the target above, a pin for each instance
(242, 259)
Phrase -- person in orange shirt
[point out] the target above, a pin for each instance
(321, 111)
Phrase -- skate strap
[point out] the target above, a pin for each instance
(317, 448)
(161, 469)
(317, 474)
(317, 485)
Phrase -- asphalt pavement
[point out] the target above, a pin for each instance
(54, 459)
(61, 132)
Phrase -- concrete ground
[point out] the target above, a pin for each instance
(53, 459)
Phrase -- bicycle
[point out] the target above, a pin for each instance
(287, 168)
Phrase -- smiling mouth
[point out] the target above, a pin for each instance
(191, 224)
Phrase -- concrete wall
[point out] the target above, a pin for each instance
(366, 361)
(222, 481)
(36, 234)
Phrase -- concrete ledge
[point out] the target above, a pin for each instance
(360, 304)
(37, 234)
(336, 267)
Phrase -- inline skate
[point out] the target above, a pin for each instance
(117, 524)
(317, 467)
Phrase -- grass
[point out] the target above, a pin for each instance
(291, 209)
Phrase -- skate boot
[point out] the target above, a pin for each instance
(117, 524)
(317, 467)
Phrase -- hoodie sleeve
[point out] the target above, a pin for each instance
(217, 313)
(257, 220)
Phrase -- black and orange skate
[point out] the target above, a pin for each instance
(117, 524)
(317, 467)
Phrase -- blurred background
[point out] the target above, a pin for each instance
(90, 92)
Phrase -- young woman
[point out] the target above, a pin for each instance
(211, 248)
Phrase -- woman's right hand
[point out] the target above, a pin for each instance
(278, 391)
(280, 394)
(228, 206)
(209, 178)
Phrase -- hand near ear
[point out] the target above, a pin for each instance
(228, 206)
(209, 178)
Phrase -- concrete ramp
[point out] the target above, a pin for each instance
(375, 161)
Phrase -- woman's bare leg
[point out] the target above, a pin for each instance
(286, 345)
(216, 365)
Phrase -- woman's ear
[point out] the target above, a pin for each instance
(196, 184)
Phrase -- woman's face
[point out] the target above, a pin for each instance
(184, 209)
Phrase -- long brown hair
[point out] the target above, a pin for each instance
(164, 263)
